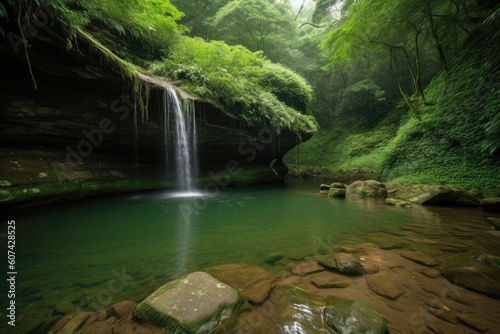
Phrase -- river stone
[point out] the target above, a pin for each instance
(324, 187)
(370, 188)
(420, 258)
(307, 268)
(347, 264)
(495, 222)
(429, 272)
(193, 304)
(398, 203)
(336, 192)
(354, 317)
(253, 283)
(273, 258)
(122, 309)
(436, 194)
(337, 185)
(64, 307)
(326, 280)
(475, 271)
(326, 261)
(491, 204)
(392, 188)
(383, 286)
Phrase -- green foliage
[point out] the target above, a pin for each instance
(257, 25)
(364, 99)
(151, 23)
(456, 140)
(229, 77)
(288, 86)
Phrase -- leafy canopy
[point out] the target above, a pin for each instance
(257, 25)
(231, 78)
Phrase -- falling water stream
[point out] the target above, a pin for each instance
(180, 139)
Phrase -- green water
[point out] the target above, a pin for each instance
(98, 252)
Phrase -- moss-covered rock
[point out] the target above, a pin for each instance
(370, 188)
(354, 318)
(491, 204)
(194, 304)
(436, 194)
(336, 192)
(475, 271)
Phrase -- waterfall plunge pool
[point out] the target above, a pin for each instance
(71, 252)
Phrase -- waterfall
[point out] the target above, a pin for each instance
(179, 126)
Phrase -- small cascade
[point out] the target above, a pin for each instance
(179, 126)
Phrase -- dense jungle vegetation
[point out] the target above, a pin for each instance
(405, 89)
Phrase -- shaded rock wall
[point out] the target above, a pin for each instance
(74, 136)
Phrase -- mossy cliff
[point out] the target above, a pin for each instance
(68, 116)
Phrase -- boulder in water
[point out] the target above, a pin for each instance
(491, 204)
(347, 264)
(336, 192)
(393, 188)
(193, 304)
(475, 271)
(435, 194)
(354, 317)
(370, 188)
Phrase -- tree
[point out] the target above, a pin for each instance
(257, 25)
(409, 31)
(199, 14)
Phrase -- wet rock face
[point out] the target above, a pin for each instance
(194, 304)
(75, 134)
(434, 194)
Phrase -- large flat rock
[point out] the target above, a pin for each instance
(253, 283)
(193, 304)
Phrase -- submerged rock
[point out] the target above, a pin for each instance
(273, 258)
(475, 271)
(384, 286)
(307, 268)
(370, 188)
(491, 204)
(253, 283)
(354, 317)
(326, 280)
(194, 304)
(420, 258)
(347, 264)
(436, 194)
